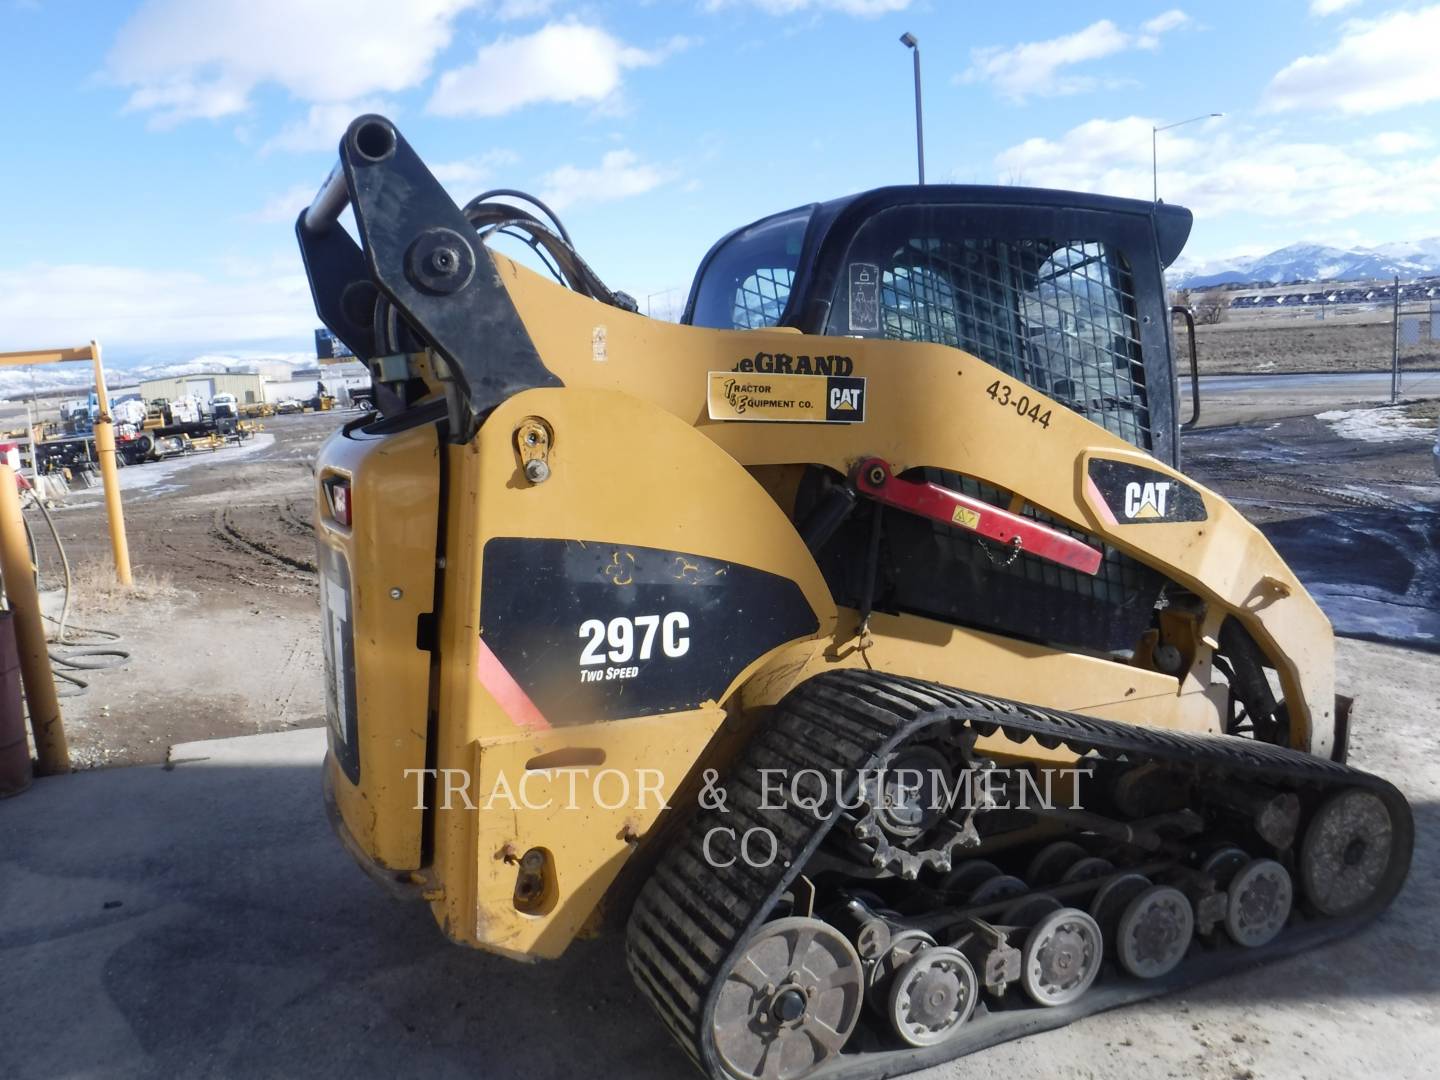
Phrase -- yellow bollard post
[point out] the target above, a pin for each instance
(18, 574)
(109, 473)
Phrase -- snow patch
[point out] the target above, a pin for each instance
(1385, 424)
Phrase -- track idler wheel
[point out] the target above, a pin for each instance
(1345, 853)
(932, 995)
(789, 1003)
(1154, 932)
(1061, 958)
(1260, 899)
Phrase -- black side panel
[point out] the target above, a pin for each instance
(339, 651)
(930, 569)
(1136, 495)
(595, 631)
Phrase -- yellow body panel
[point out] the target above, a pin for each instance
(634, 459)
(622, 472)
(389, 547)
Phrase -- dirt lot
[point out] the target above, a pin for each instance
(223, 630)
(223, 634)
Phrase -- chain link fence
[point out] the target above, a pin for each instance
(1331, 328)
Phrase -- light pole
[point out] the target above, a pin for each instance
(911, 42)
(1154, 156)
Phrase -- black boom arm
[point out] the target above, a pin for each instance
(419, 254)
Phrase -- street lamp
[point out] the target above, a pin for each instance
(911, 42)
(1154, 158)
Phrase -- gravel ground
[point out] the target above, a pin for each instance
(224, 631)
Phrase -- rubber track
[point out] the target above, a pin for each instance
(692, 919)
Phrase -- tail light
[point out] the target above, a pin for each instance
(337, 491)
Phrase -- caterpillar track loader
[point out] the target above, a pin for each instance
(857, 645)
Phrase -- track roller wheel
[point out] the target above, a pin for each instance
(1029, 910)
(1154, 932)
(968, 876)
(1087, 869)
(1224, 863)
(905, 945)
(1061, 957)
(1051, 861)
(932, 995)
(1345, 853)
(1001, 887)
(1111, 899)
(790, 1001)
(1260, 899)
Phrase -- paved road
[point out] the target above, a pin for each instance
(1361, 383)
(1358, 521)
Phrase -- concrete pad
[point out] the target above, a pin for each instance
(200, 920)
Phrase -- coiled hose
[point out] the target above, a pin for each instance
(94, 648)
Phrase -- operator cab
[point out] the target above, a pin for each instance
(1061, 290)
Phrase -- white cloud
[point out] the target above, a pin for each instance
(569, 62)
(127, 307)
(1378, 65)
(619, 175)
(473, 171)
(1392, 143)
(284, 206)
(185, 60)
(523, 9)
(1039, 68)
(1166, 21)
(1330, 7)
(322, 126)
(865, 9)
(1218, 173)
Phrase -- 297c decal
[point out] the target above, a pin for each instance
(626, 638)
(586, 630)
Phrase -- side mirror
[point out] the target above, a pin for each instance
(1189, 317)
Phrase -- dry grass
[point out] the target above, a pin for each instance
(96, 592)
(1428, 409)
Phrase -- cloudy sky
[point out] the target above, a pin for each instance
(158, 152)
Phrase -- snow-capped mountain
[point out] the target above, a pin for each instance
(1311, 262)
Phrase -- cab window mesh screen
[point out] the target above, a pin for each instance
(760, 299)
(1057, 316)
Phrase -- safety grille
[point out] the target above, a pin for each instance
(760, 299)
(1059, 317)
(976, 581)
